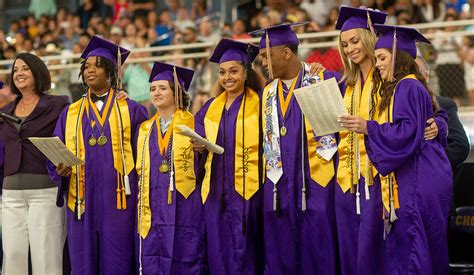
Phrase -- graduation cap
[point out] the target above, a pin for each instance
(178, 75)
(404, 37)
(398, 38)
(274, 36)
(231, 50)
(100, 47)
(358, 18)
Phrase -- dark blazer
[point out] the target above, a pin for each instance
(458, 144)
(21, 156)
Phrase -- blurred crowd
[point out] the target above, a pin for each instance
(50, 30)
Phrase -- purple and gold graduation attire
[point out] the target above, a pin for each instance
(170, 224)
(415, 173)
(298, 211)
(358, 203)
(100, 194)
(231, 185)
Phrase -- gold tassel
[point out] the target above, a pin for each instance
(393, 215)
(177, 91)
(394, 56)
(119, 68)
(124, 199)
(369, 22)
(269, 58)
(170, 197)
(118, 190)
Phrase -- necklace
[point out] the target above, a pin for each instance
(24, 105)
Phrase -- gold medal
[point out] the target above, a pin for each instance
(102, 140)
(164, 167)
(282, 131)
(92, 141)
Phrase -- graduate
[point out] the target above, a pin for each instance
(357, 201)
(415, 173)
(298, 211)
(231, 190)
(357, 194)
(100, 194)
(170, 227)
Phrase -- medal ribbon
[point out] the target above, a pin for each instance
(163, 142)
(284, 104)
(95, 112)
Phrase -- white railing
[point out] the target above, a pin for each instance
(172, 57)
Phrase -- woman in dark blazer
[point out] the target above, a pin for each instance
(31, 218)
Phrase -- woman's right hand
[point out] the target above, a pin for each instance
(198, 146)
(63, 170)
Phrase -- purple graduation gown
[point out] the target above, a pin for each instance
(175, 242)
(360, 237)
(230, 251)
(102, 242)
(417, 242)
(298, 242)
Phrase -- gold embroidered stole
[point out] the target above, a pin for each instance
(183, 161)
(247, 154)
(321, 170)
(119, 118)
(358, 102)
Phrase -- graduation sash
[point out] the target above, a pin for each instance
(183, 163)
(353, 159)
(389, 182)
(321, 170)
(120, 133)
(246, 177)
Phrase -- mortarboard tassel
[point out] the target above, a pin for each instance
(177, 91)
(369, 22)
(119, 65)
(77, 209)
(269, 58)
(394, 56)
(118, 191)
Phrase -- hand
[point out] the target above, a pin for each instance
(431, 132)
(198, 146)
(354, 123)
(63, 170)
(315, 68)
(122, 95)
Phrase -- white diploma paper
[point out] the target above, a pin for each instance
(322, 104)
(55, 150)
(186, 131)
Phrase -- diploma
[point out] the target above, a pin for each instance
(186, 131)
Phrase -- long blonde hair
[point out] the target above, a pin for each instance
(352, 71)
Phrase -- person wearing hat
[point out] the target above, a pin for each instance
(231, 183)
(357, 196)
(101, 193)
(298, 191)
(415, 173)
(170, 227)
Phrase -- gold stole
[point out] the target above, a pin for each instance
(246, 159)
(183, 161)
(387, 117)
(347, 176)
(321, 170)
(117, 115)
